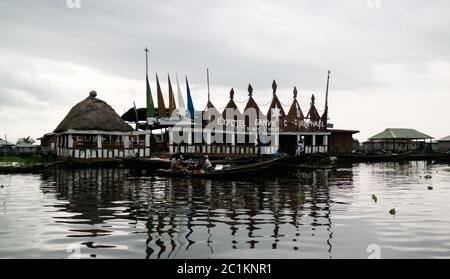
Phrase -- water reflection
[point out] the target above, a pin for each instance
(112, 213)
(197, 218)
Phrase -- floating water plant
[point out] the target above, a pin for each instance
(428, 176)
(392, 211)
(447, 170)
(301, 197)
(430, 188)
(374, 198)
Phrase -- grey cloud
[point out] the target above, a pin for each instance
(294, 42)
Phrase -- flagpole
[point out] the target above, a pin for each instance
(146, 60)
(146, 72)
(326, 95)
(207, 80)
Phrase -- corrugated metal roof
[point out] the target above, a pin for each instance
(445, 139)
(400, 133)
(4, 142)
(25, 145)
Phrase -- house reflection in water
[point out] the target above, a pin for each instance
(196, 218)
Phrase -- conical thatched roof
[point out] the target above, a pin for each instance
(93, 114)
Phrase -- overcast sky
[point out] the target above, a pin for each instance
(390, 60)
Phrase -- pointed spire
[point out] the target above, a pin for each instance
(250, 90)
(231, 105)
(275, 104)
(313, 115)
(172, 105)
(161, 105)
(295, 112)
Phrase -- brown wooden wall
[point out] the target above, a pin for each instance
(340, 142)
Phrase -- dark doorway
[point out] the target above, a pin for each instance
(288, 144)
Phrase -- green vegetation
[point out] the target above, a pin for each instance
(447, 170)
(23, 160)
(26, 140)
(392, 211)
(301, 197)
(374, 198)
(428, 176)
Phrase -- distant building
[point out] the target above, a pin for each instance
(6, 147)
(444, 144)
(26, 148)
(398, 140)
(48, 143)
(93, 130)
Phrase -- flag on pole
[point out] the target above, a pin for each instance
(161, 105)
(190, 104)
(181, 105)
(172, 105)
(150, 106)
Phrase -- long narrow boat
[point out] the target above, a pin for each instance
(146, 163)
(27, 168)
(240, 170)
(160, 163)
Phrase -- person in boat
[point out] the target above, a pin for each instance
(175, 164)
(179, 156)
(207, 163)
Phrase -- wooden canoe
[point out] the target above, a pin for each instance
(233, 171)
(28, 168)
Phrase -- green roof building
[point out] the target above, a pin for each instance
(400, 134)
(398, 140)
(444, 144)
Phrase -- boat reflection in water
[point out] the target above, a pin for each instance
(110, 211)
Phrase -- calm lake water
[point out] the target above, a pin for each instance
(110, 213)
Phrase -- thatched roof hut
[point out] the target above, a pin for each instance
(93, 114)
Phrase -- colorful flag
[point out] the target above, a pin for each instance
(161, 105)
(172, 105)
(181, 105)
(150, 106)
(190, 104)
